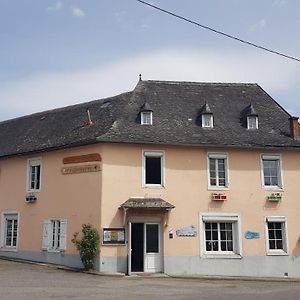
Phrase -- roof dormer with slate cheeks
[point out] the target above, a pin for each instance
(146, 114)
(207, 118)
(252, 118)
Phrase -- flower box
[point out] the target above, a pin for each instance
(218, 197)
(275, 197)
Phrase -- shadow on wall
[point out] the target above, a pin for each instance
(296, 250)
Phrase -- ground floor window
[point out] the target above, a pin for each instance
(276, 235)
(54, 234)
(10, 230)
(220, 234)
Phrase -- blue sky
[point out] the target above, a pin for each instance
(57, 53)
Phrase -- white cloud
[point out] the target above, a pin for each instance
(259, 25)
(78, 12)
(50, 90)
(280, 3)
(55, 7)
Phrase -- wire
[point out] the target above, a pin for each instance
(219, 32)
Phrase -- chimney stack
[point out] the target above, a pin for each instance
(295, 128)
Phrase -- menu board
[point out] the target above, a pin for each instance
(113, 236)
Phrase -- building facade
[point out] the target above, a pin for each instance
(180, 178)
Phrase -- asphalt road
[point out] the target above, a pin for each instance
(26, 281)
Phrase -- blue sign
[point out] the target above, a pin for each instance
(249, 235)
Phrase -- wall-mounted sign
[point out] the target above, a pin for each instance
(82, 158)
(81, 169)
(187, 231)
(250, 235)
(112, 236)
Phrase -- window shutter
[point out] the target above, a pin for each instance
(63, 235)
(46, 235)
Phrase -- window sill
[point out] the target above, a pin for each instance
(222, 256)
(273, 188)
(33, 191)
(277, 253)
(153, 186)
(216, 188)
(9, 249)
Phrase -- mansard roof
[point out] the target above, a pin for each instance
(175, 108)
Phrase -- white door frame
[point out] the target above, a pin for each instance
(145, 220)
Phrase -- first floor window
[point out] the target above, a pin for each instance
(220, 234)
(54, 234)
(218, 170)
(153, 168)
(271, 171)
(34, 175)
(276, 235)
(10, 230)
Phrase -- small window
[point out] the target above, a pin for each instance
(10, 230)
(146, 118)
(218, 173)
(207, 121)
(153, 168)
(276, 236)
(252, 122)
(271, 169)
(34, 175)
(54, 234)
(220, 235)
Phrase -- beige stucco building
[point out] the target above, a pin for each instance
(181, 178)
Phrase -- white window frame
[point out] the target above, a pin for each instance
(144, 119)
(4, 217)
(233, 218)
(153, 153)
(285, 250)
(249, 122)
(277, 157)
(207, 118)
(218, 156)
(47, 238)
(31, 163)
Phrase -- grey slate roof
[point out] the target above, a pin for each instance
(175, 106)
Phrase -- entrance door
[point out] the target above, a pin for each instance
(152, 255)
(145, 253)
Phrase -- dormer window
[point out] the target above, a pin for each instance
(146, 114)
(252, 118)
(207, 118)
(146, 118)
(252, 122)
(207, 121)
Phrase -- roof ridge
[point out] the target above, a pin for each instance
(66, 108)
(200, 83)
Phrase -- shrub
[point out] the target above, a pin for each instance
(87, 245)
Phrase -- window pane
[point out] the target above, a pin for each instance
(153, 170)
(152, 235)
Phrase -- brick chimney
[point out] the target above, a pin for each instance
(295, 128)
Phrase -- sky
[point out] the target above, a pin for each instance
(59, 53)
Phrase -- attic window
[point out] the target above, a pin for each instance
(207, 118)
(146, 118)
(252, 122)
(252, 117)
(146, 114)
(207, 121)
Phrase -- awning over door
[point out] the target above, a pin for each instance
(147, 203)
